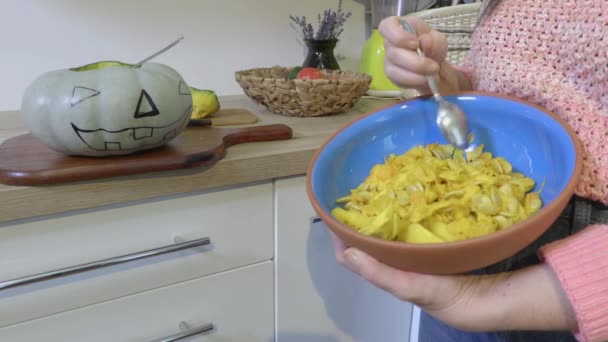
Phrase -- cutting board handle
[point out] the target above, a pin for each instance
(24, 160)
(257, 133)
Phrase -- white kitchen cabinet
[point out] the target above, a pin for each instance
(239, 303)
(237, 221)
(317, 299)
(269, 276)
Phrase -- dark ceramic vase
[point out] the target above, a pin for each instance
(321, 54)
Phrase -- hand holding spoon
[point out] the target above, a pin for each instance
(451, 119)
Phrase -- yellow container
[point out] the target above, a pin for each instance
(372, 63)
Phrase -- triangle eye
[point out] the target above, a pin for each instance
(80, 94)
(145, 106)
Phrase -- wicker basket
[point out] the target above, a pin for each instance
(270, 88)
(457, 23)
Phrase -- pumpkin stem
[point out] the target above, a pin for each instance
(159, 52)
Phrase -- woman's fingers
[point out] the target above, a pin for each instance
(395, 35)
(411, 61)
(402, 285)
(427, 291)
(403, 65)
(434, 45)
(445, 296)
(392, 31)
(339, 247)
(404, 78)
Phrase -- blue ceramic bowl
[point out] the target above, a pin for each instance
(533, 140)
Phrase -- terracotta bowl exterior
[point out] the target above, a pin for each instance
(535, 141)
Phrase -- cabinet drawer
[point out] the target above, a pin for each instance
(239, 303)
(237, 221)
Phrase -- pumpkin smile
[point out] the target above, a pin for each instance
(130, 138)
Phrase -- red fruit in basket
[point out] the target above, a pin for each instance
(310, 74)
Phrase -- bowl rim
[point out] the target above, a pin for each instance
(556, 205)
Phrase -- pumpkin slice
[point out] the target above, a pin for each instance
(204, 103)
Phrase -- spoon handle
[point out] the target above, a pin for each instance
(434, 88)
(431, 81)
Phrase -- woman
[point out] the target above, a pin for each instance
(553, 53)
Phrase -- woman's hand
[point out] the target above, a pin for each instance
(406, 68)
(528, 299)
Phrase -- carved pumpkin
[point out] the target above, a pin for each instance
(107, 108)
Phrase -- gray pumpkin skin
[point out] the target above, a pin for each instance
(115, 110)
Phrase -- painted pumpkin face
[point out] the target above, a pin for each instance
(107, 108)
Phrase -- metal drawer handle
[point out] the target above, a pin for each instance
(188, 333)
(104, 263)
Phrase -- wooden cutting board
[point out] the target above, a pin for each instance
(26, 161)
(230, 117)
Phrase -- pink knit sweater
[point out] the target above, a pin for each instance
(555, 53)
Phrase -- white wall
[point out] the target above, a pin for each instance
(221, 36)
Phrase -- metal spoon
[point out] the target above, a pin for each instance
(451, 120)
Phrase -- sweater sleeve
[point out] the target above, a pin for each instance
(581, 265)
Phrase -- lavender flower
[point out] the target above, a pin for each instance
(330, 24)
